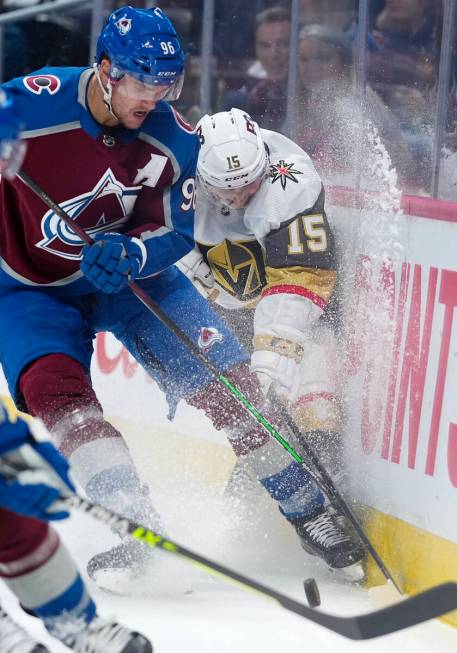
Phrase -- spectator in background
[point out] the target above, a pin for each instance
(341, 15)
(405, 29)
(58, 40)
(333, 123)
(403, 70)
(264, 92)
(338, 14)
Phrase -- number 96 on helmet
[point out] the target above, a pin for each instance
(142, 44)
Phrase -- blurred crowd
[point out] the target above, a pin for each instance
(251, 68)
(403, 49)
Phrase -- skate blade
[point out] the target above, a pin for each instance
(351, 574)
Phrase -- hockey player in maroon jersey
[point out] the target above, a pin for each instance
(107, 146)
(34, 563)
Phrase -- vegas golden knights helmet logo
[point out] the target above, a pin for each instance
(238, 268)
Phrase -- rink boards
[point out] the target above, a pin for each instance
(400, 370)
(401, 375)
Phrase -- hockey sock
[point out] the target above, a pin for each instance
(100, 460)
(102, 464)
(47, 583)
(287, 482)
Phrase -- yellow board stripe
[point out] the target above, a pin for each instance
(416, 558)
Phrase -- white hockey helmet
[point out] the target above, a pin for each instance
(232, 152)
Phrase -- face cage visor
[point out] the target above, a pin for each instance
(238, 196)
(139, 86)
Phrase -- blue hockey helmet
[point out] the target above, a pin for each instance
(143, 43)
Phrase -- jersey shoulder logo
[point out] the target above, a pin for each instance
(39, 83)
(238, 268)
(284, 172)
(186, 126)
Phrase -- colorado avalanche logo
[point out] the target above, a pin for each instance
(39, 83)
(208, 337)
(108, 198)
(124, 25)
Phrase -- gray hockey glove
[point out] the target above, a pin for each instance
(195, 268)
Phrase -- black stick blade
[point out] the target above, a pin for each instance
(434, 602)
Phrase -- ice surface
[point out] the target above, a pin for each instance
(219, 618)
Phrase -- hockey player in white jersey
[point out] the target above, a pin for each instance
(265, 254)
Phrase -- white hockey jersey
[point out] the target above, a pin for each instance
(279, 242)
(278, 255)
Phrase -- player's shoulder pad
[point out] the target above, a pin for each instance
(293, 185)
(168, 128)
(46, 97)
(166, 118)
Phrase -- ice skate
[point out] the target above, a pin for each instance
(103, 635)
(323, 535)
(14, 639)
(120, 569)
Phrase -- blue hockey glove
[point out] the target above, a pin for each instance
(12, 150)
(112, 261)
(33, 474)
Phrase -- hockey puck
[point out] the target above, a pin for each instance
(312, 592)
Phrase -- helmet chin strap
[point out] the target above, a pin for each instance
(107, 92)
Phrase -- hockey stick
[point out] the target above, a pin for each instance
(434, 602)
(431, 603)
(193, 348)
